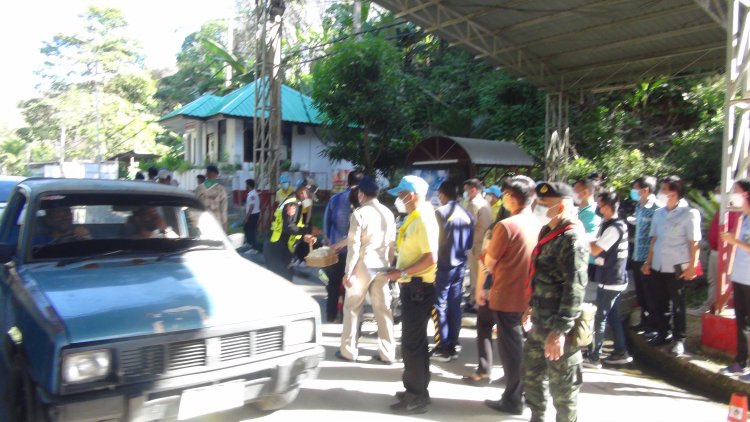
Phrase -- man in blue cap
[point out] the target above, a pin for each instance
(494, 194)
(285, 188)
(417, 245)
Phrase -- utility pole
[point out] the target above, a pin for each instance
(63, 131)
(267, 115)
(97, 86)
(230, 49)
(357, 17)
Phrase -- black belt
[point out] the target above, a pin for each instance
(549, 303)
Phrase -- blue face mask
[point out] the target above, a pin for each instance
(635, 195)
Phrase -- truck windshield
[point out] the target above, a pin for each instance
(66, 226)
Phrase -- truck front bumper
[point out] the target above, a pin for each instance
(163, 399)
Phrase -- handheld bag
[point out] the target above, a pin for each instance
(582, 333)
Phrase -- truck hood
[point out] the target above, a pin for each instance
(114, 299)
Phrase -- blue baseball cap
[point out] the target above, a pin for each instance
(412, 184)
(494, 190)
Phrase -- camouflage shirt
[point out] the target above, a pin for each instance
(559, 281)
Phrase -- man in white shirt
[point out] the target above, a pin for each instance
(252, 213)
(481, 211)
(370, 249)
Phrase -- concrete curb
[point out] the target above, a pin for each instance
(686, 370)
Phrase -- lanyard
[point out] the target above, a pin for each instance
(402, 231)
(544, 241)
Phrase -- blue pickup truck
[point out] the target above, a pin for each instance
(125, 301)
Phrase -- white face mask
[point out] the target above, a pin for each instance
(400, 205)
(466, 195)
(541, 214)
(735, 200)
(662, 198)
(307, 203)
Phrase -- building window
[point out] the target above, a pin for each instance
(223, 155)
(247, 139)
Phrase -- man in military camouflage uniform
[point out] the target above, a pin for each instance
(559, 277)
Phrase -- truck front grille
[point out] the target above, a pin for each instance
(151, 361)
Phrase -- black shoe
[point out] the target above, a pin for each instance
(331, 319)
(401, 394)
(660, 340)
(442, 356)
(411, 406)
(378, 359)
(342, 357)
(502, 406)
(640, 328)
(649, 334)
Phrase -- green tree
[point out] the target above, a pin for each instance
(358, 89)
(98, 68)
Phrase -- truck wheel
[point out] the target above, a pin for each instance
(276, 401)
(22, 404)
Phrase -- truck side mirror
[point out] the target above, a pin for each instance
(6, 252)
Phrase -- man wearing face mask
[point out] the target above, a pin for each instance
(285, 189)
(456, 238)
(587, 213)
(287, 229)
(643, 191)
(558, 280)
(417, 246)
(481, 211)
(740, 188)
(335, 228)
(370, 244)
(673, 260)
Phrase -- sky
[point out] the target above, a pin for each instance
(160, 25)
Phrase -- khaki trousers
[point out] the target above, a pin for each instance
(380, 295)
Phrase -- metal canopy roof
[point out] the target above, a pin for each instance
(480, 152)
(579, 44)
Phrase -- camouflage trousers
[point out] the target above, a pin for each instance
(562, 378)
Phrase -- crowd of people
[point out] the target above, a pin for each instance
(529, 250)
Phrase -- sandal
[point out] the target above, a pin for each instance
(477, 379)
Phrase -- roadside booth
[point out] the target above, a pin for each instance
(440, 158)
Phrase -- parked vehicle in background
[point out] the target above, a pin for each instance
(125, 301)
(7, 183)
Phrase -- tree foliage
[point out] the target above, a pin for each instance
(358, 90)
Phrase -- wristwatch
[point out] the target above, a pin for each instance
(404, 274)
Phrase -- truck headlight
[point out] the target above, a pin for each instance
(86, 366)
(298, 332)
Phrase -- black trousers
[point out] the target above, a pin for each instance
(510, 349)
(335, 274)
(250, 228)
(669, 301)
(278, 257)
(415, 316)
(741, 315)
(642, 293)
(485, 323)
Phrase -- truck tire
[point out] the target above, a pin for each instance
(276, 401)
(22, 403)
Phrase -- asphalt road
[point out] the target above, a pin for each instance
(362, 391)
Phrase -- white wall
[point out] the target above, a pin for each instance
(307, 153)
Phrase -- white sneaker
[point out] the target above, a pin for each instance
(678, 348)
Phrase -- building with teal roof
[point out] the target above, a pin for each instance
(219, 129)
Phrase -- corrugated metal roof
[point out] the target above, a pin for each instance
(481, 152)
(485, 152)
(579, 44)
(295, 106)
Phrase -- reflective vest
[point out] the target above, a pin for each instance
(278, 223)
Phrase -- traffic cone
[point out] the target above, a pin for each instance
(737, 408)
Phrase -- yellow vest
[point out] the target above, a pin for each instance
(278, 224)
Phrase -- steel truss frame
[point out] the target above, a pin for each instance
(735, 161)
(267, 115)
